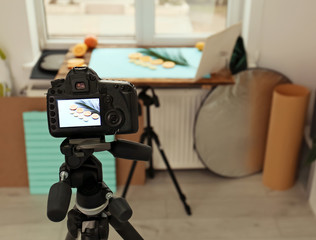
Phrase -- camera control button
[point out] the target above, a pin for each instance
(113, 118)
(92, 77)
(108, 99)
(103, 89)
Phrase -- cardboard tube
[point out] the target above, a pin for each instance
(289, 107)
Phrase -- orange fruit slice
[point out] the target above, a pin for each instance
(79, 110)
(73, 107)
(135, 56)
(145, 58)
(75, 62)
(95, 116)
(156, 61)
(168, 64)
(87, 113)
(79, 49)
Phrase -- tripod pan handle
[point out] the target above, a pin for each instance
(58, 201)
(130, 150)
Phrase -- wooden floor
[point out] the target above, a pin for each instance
(223, 209)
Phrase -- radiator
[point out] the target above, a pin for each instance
(173, 122)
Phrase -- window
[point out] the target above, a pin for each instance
(146, 22)
(74, 18)
(189, 16)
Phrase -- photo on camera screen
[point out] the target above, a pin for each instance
(79, 112)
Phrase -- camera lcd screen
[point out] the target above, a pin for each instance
(79, 112)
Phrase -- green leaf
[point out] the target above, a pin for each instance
(88, 107)
(2, 55)
(164, 55)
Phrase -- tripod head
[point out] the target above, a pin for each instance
(83, 171)
(147, 99)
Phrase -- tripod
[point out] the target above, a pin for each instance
(150, 135)
(95, 207)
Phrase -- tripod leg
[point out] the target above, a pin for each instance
(150, 170)
(125, 229)
(129, 178)
(131, 171)
(171, 173)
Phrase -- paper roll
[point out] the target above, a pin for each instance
(289, 107)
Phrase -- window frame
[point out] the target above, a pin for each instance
(144, 30)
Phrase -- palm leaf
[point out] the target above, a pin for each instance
(164, 55)
(88, 106)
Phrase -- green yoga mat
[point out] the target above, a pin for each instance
(44, 157)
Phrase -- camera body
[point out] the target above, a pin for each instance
(83, 106)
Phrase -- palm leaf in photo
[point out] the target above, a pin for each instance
(88, 105)
(164, 55)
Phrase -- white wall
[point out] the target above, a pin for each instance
(18, 38)
(281, 35)
(288, 42)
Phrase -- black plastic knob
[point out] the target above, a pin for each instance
(120, 209)
(58, 201)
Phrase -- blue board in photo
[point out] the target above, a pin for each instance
(114, 63)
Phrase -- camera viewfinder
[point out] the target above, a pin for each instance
(80, 86)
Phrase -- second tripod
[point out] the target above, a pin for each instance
(150, 136)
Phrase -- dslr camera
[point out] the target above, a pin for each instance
(84, 106)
